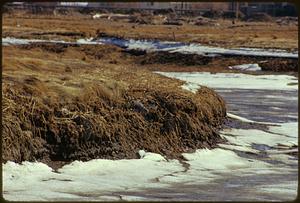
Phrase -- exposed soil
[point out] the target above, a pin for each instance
(280, 65)
(162, 57)
(64, 103)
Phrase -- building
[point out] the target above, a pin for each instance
(248, 8)
(201, 6)
(130, 5)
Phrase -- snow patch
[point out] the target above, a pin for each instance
(230, 115)
(14, 41)
(246, 67)
(36, 181)
(248, 137)
(235, 80)
(87, 41)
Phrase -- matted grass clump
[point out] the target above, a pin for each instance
(103, 123)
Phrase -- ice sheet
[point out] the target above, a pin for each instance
(235, 80)
(155, 45)
(14, 41)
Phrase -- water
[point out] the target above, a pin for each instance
(156, 45)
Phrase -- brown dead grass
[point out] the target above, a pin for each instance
(242, 34)
(58, 106)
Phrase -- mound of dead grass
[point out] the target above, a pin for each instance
(65, 108)
(107, 122)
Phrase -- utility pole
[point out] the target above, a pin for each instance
(237, 10)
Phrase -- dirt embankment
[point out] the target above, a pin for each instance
(280, 65)
(163, 57)
(64, 103)
(183, 62)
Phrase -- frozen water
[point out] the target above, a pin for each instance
(156, 45)
(246, 67)
(235, 80)
(14, 41)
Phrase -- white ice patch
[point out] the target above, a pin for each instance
(207, 166)
(235, 80)
(202, 50)
(141, 45)
(87, 41)
(245, 120)
(97, 15)
(290, 129)
(36, 181)
(219, 159)
(246, 67)
(247, 137)
(14, 41)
